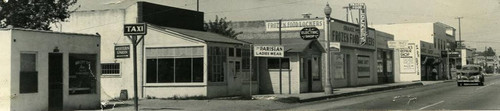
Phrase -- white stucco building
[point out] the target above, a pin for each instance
(44, 70)
(426, 42)
(176, 57)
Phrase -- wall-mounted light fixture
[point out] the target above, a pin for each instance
(56, 49)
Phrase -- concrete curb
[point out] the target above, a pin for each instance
(353, 93)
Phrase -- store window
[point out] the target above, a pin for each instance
(238, 52)
(231, 52)
(389, 61)
(380, 63)
(110, 68)
(28, 78)
(245, 60)
(216, 59)
(82, 78)
(174, 65)
(273, 63)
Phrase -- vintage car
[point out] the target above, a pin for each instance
(470, 74)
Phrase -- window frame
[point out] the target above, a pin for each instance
(216, 73)
(21, 91)
(286, 68)
(111, 74)
(162, 76)
(93, 88)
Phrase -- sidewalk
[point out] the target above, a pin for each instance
(339, 92)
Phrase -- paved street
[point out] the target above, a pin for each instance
(447, 96)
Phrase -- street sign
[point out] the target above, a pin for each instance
(269, 51)
(309, 33)
(454, 54)
(335, 46)
(397, 44)
(134, 29)
(122, 51)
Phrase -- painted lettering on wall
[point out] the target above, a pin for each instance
(293, 25)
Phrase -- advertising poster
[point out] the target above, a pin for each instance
(338, 63)
(363, 66)
(407, 58)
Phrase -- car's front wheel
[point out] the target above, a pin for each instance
(481, 84)
(459, 84)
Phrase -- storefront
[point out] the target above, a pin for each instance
(385, 58)
(356, 63)
(46, 70)
(300, 67)
(177, 58)
(187, 63)
(424, 48)
(430, 60)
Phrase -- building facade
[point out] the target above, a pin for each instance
(300, 67)
(385, 57)
(425, 41)
(176, 57)
(353, 65)
(44, 70)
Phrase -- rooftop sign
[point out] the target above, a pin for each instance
(294, 25)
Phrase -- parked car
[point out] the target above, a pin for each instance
(470, 74)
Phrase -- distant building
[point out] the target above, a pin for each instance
(45, 70)
(430, 41)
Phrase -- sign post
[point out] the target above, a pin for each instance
(132, 31)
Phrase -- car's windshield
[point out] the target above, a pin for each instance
(470, 68)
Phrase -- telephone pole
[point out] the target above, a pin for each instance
(459, 32)
(346, 13)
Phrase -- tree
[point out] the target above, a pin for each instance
(489, 52)
(34, 14)
(221, 26)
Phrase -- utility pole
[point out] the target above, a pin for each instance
(198, 5)
(346, 13)
(459, 32)
(281, 84)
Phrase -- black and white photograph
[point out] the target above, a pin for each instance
(246, 55)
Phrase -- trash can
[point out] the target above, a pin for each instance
(123, 94)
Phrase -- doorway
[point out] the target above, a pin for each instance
(55, 81)
(309, 74)
(234, 80)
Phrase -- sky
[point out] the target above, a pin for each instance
(479, 25)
